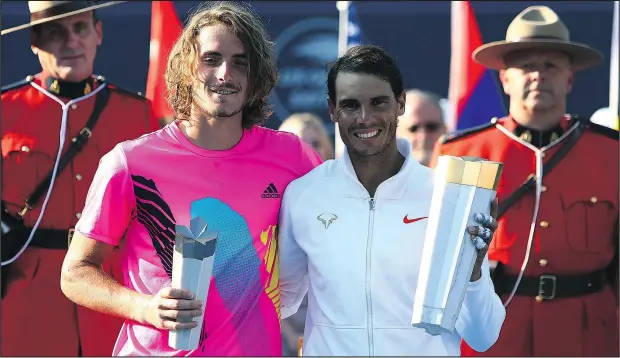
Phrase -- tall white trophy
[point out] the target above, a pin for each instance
(192, 268)
(463, 187)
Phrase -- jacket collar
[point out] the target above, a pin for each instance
(536, 138)
(392, 188)
(66, 89)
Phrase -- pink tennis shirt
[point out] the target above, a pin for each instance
(144, 187)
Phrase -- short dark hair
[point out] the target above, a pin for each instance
(366, 59)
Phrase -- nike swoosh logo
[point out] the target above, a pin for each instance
(406, 220)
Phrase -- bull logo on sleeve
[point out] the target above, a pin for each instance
(327, 219)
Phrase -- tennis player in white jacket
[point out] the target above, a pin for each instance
(352, 230)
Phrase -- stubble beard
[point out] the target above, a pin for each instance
(223, 113)
(376, 157)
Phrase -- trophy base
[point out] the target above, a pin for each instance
(432, 329)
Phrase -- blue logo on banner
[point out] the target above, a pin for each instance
(303, 51)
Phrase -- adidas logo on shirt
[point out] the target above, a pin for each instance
(271, 192)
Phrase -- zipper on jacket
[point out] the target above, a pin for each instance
(371, 220)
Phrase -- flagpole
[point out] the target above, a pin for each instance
(614, 93)
(453, 87)
(343, 24)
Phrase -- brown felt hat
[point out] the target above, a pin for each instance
(46, 11)
(537, 28)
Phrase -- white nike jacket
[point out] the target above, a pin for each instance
(359, 257)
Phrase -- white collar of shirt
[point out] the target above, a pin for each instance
(392, 188)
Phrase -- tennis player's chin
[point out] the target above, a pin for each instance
(225, 110)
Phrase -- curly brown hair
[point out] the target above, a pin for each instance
(262, 69)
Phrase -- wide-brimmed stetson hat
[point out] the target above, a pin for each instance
(46, 11)
(537, 28)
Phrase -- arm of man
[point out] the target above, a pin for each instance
(104, 221)
(482, 314)
(293, 260)
(84, 282)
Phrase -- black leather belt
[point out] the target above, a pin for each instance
(548, 287)
(47, 238)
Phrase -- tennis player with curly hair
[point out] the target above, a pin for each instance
(214, 163)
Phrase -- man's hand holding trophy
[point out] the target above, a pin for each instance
(192, 270)
(173, 309)
(481, 236)
(180, 308)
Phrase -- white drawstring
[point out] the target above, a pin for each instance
(63, 135)
(539, 176)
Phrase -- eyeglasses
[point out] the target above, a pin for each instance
(429, 127)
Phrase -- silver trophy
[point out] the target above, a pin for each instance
(463, 186)
(192, 268)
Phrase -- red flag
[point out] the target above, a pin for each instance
(474, 95)
(165, 30)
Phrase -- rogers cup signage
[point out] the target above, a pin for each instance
(303, 51)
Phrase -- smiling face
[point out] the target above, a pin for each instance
(221, 85)
(366, 111)
(67, 47)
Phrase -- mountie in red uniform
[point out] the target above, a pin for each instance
(562, 235)
(37, 318)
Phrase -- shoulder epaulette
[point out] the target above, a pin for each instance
(467, 132)
(127, 92)
(597, 128)
(17, 84)
(121, 90)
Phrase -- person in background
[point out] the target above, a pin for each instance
(311, 129)
(37, 319)
(422, 124)
(556, 246)
(215, 166)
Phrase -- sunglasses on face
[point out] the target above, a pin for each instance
(429, 127)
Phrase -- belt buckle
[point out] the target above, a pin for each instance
(543, 292)
(70, 236)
